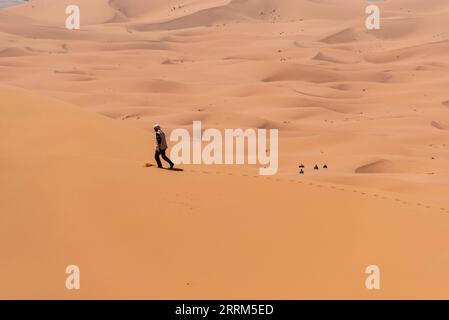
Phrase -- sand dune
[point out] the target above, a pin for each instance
(281, 64)
(77, 110)
(346, 35)
(390, 166)
(14, 52)
(328, 58)
(89, 201)
(440, 125)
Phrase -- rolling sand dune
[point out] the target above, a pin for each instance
(89, 200)
(77, 109)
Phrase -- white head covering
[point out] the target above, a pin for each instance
(157, 126)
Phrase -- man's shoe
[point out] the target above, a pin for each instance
(172, 165)
(160, 167)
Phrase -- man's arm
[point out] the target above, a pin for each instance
(158, 139)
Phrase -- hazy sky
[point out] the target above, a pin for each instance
(7, 3)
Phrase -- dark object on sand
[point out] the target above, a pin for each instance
(301, 166)
(325, 166)
(301, 172)
(316, 167)
(149, 165)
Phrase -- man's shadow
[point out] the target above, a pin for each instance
(174, 169)
(148, 165)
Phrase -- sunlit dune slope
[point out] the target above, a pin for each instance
(75, 191)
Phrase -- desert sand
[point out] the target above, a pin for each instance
(76, 114)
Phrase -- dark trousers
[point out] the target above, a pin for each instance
(158, 160)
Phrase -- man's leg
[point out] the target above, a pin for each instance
(166, 158)
(158, 160)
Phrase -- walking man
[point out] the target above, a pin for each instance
(161, 147)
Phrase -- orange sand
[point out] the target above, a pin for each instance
(76, 112)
